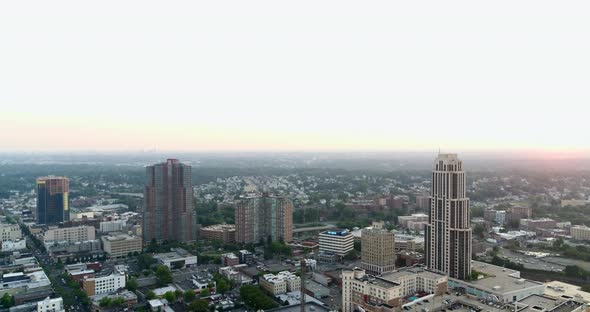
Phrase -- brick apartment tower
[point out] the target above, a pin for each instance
(263, 217)
(169, 214)
(52, 200)
(448, 233)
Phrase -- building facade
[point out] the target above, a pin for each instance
(52, 200)
(280, 283)
(225, 233)
(448, 234)
(117, 246)
(168, 213)
(377, 249)
(10, 232)
(336, 242)
(112, 226)
(580, 232)
(104, 284)
(263, 218)
(70, 234)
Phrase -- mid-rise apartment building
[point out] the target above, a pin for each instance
(580, 232)
(10, 232)
(104, 284)
(225, 233)
(112, 226)
(70, 234)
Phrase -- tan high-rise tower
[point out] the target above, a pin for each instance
(377, 249)
(448, 234)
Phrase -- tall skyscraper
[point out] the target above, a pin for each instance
(168, 213)
(448, 233)
(52, 200)
(259, 218)
(377, 249)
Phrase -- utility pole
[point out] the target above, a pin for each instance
(302, 297)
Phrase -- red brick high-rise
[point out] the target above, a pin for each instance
(169, 214)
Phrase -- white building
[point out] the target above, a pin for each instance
(500, 216)
(112, 226)
(104, 284)
(70, 234)
(51, 305)
(336, 242)
(10, 245)
(280, 283)
(176, 259)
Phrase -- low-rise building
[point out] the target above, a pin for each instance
(280, 283)
(21, 282)
(537, 224)
(120, 245)
(246, 256)
(176, 259)
(229, 259)
(225, 233)
(361, 291)
(13, 245)
(497, 284)
(337, 242)
(541, 303)
(46, 305)
(129, 300)
(104, 284)
(416, 217)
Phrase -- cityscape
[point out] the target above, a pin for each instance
(149, 238)
(294, 156)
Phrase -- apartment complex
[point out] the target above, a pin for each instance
(384, 293)
(280, 283)
(423, 202)
(448, 234)
(225, 233)
(70, 234)
(52, 200)
(538, 224)
(263, 217)
(117, 246)
(168, 213)
(336, 242)
(377, 249)
(580, 232)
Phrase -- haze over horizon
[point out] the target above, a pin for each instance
(269, 76)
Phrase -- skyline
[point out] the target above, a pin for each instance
(266, 76)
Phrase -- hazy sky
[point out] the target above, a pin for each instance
(295, 75)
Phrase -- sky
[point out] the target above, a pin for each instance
(295, 75)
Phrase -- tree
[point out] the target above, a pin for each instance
(132, 284)
(199, 306)
(150, 295)
(163, 275)
(479, 230)
(7, 301)
(256, 299)
(205, 292)
(170, 296)
(105, 302)
(189, 295)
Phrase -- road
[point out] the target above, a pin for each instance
(531, 262)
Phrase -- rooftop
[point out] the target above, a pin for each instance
(540, 303)
(337, 233)
(500, 280)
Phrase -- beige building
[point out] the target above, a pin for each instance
(225, 233)
(361, 291)
(377, 249)
(280, 283)
(10, 232)
(580, 232)
(121, 245)
(70, 234)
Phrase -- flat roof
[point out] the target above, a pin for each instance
(563, 290)
(498, 279)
